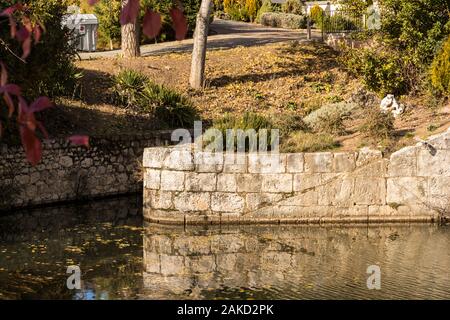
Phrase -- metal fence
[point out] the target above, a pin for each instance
(338, 21)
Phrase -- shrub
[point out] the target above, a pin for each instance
(378, 125)
(265, 7)
(237, 9)
(248, 120)
(252, 7)
(128, 84)
(316, 13)
(292, 6)
(383, 72)
(283, 20)
(108, 13)
(308, 142)
(289, 122)
(168, 106)
(330, 118)
(440, 70)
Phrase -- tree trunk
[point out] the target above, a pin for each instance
(130, 38)
(197, 77)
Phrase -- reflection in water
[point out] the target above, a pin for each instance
(120, 259)
(294, 262)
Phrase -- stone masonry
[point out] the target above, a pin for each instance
(111, 166)
(182, 186)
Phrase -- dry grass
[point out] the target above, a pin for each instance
(271, 80)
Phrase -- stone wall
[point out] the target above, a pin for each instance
(183, 186)
(111, 166)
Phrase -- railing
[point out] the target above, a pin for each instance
(338, 21)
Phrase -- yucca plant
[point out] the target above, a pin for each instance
(128, 83)
(168, 106)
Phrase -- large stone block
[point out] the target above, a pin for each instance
(226, 182)
(266, 163)
(179, 159)
(248, 182)
(256, 201)
(281, 182)
(439, 193)
(172, 180)
(200, 181)
(303, 181)
(295, 163)
(344, 162)
(152, 179)
(235, 162)
(227, 202)
(154, 157)
(366, 155)
(440, 141)
(406, 190)
(433, 164)
(369, 191)
(401, 164)
(160, 199)
(338, 192)
(318, 162)
(208, 161)
(192, 201)
(308, 198)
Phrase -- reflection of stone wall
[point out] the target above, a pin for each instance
(110, 167)
(294, 261)
(183, 186)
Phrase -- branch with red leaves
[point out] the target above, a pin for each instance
(24, 30)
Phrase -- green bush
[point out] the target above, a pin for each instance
(248, 120)
(292, 6)
(108, 14)
(49, 69)
(283, 20)
(316, 14)
(128, 84)
(308, 142)
(266, 6)
(440, 70)
(134, 89)
(383, 72)
(378, 126)
(168, 106)
(330, 118)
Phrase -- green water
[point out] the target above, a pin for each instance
(120, 257)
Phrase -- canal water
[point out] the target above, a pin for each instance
(121, 257)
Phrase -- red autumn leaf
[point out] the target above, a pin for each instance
(179, 23)
(129, 12)
(9, 103)
(37, 33)
(40, 104)
(79, 140)
(92, 2)
(11, 89)
(3, 74)
(151, 24)
(31, 144)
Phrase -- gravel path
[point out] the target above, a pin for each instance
(224, 34)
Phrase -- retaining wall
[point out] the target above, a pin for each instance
(182, 186)
(111, 166)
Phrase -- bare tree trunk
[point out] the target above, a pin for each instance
(197, 77)
(130, 38)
